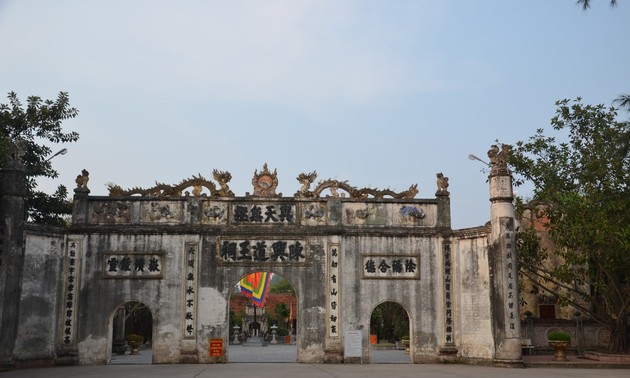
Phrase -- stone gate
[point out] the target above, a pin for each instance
(180, 249)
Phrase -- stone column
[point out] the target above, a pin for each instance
(80, 206)
(443, 197)
(118, 336)
(503, 261)
(12, 214)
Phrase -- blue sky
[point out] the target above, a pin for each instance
(384, 94)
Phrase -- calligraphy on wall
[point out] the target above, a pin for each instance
(448, 300)
(264, 213)
(334, 295)
(263, 251)
(510, 277)
(190, 293)
(133, 265)
(387, 266)
(71, 288)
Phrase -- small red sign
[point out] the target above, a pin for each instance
(216, 347)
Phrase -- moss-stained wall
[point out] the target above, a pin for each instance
(182, 257)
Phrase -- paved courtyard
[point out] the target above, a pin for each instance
(279, 361)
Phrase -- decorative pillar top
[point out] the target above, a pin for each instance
(500, 177)
(498, 160)
(82, 181)
(442, 185)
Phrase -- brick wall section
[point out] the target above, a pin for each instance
(239, 301)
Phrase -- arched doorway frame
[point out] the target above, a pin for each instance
(233, 290)
(410, 319)
(110, 324)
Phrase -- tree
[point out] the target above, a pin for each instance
(389, 321)
(583, 178)
(281, 285)
(587, 3)
(29, 129)
(622, 100)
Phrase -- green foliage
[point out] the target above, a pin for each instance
(558, 336)
(135, 337)
(282, 310)
(236, 320)
(28, 128)
(389, 321)
(281, 285)
(282, 331)
(582, 176)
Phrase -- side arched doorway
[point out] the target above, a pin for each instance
(389, 334)
(263, 323)
(131, 326)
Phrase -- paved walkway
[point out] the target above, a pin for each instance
(387, 363)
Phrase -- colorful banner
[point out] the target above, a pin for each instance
(256, 286)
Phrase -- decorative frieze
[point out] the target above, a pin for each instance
(190, 293)
(334, 294)
(133, 265)
(162, 212)
(313, 214)
(263, 251)
(386, 266)
(111, 212)
(72, 268)
(214, 212)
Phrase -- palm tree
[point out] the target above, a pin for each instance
(623, 101)
(587, 3)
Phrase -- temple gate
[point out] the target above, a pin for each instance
(180, 249)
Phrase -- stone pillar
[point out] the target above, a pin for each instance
(503, 261)
(443, 202)
(80, 206)
(118, 337)
(12, 216)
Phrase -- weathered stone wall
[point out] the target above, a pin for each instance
(473, 302)
(420, 297)
(182, 256)
(585, 334)
(38, 327)
(100, 295)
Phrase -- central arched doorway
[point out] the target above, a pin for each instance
(131, 334)
(262, 319)
(389, 334)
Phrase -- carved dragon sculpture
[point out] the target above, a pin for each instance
(196, 182)
(334, 185)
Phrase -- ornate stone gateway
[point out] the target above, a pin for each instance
(180, 249)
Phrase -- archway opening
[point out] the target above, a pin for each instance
(389, 334)
(132, 334)
(263, 319)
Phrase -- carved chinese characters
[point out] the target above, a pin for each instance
(334, 296)
(510, 277)
(261, 251)
(71, 289)
(133, 265)
(264, 213)
(391, 266)
(190, 295)
(448, 297)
